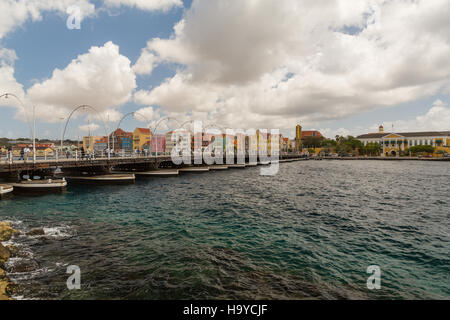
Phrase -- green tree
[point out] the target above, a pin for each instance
(371, 149)
(312, 142)
(421, 149)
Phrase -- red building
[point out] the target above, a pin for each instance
(121, 140)
(311, 133)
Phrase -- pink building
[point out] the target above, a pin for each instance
(159, 140)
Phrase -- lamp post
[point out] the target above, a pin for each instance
(62, 119)
(33, 130)
(34, 134)
(109, 146)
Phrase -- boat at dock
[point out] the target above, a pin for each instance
(194, 169)
(5, 189)
(236, 166)
(38, 186)
(121, 178)
(158, 173)
(218, 167)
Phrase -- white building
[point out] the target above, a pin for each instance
(392, 143)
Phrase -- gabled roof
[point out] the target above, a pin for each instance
(372, 135)
(143, 130)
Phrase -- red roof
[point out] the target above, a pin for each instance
(311, 133)
(121, 133)
(38, 145)
(144, 130)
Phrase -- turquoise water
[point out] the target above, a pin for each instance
(309, 232)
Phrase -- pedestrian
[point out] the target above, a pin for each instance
(67, 154)
(22, 152)
(82, 153)
(26, 151)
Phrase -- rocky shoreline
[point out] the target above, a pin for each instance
(7, 232)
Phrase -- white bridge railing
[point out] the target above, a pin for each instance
(9, 158)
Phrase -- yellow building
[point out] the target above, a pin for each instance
(298, 138)
(394, 143)
(42, 150)
(89, 142)
(263, 141)
(141, 137)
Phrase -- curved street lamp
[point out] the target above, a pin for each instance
(84, 107)
(32, 131)
(157, 125)
(135, 113)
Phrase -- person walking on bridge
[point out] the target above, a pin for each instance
(26, 152)
(82, 153)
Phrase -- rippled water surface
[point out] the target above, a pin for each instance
(309, 232)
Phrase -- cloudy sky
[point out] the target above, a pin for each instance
(342, 67)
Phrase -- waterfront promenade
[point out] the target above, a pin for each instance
(388, 158)
(62, 163)
(12, 167)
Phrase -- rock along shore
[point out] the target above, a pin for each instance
(6, 233)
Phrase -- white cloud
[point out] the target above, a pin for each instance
(109, 116)
(436, 119)
(101, 78)
(146, 114)
(146, 62)
(331, 133)
(149, 5)
(8, 83)
(14, 13)
(279, 62)
(89, 127)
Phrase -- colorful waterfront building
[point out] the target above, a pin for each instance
(141, 137)
(239, 143)
(229, 143)
(127, 143)
(251, 143)
(263, 140)
(95, 143)
(42, 149)
(181, 138)
(284, 145)
(158, 143)
(393, 143)
(121, 140)
(215, 140)
(311, 133)
(298, 138)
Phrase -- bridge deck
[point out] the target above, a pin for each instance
(64, 163)
(22, 165)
